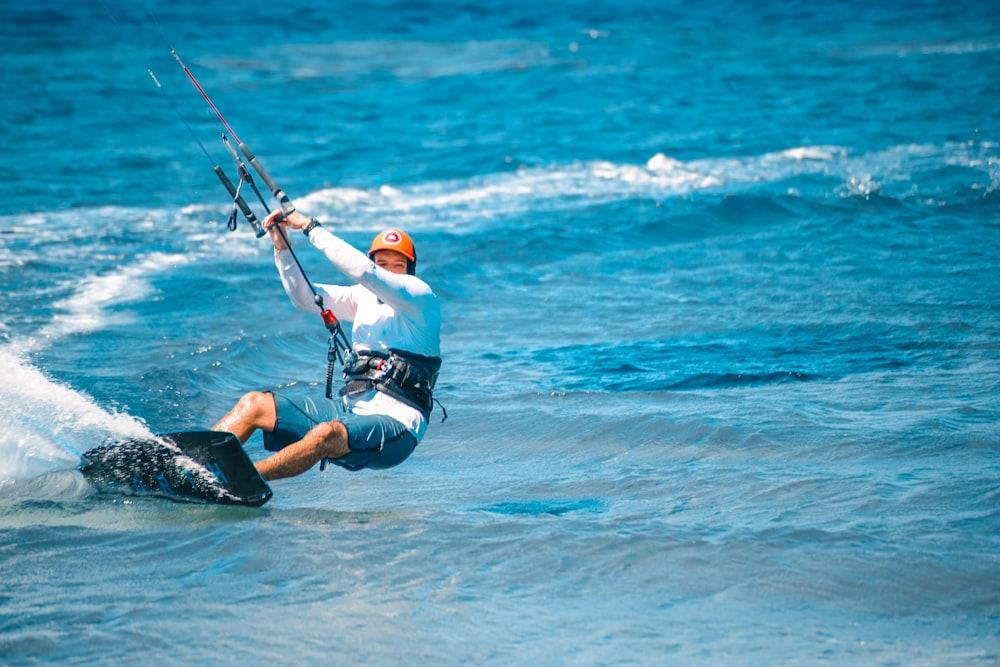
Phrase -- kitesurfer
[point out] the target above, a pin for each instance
(382, 411)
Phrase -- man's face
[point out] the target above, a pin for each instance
(390, 260)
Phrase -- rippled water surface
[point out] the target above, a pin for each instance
(722, 301)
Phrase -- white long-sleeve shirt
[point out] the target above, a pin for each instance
(386, 310)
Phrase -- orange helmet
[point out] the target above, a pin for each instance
(398, 240)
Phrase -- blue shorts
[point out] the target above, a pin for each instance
(376, 441)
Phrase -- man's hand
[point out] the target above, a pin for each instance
(276, 219)
(296, 220)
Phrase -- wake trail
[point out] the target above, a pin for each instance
(45, 425)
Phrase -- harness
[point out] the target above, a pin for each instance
(406, 376)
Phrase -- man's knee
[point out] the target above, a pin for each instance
(254, 397)
(258, 404)
(331, 430)
(332, 436)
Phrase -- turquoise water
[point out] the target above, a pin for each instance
(722, 299)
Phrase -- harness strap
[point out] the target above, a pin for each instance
(405, 376)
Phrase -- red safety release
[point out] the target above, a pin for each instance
(329, 319)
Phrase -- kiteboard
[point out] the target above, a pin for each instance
(185, 466)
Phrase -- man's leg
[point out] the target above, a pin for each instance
(257, 409)
(254, 410)
(326, 440)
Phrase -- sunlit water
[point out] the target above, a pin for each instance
(722, 301)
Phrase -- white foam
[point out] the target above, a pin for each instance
(470, 203)
(446, 203)
(464, 202)
(812, 153)
(467, 204)
(91, 306)
(661, 162)
(43, 423)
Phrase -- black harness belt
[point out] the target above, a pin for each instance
(405, 376)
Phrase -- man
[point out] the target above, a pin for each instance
(382, 412)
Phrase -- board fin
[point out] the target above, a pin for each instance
(185, 466)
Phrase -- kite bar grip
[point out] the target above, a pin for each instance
(286, 204)
(247, 212)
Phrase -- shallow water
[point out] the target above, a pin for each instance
(721, 294)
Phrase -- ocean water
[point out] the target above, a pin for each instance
(721, 284)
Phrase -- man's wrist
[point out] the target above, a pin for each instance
(313, 224)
